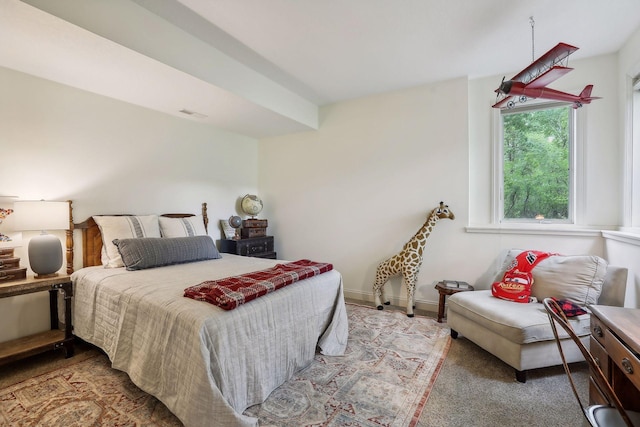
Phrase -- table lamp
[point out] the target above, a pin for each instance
(45, 250)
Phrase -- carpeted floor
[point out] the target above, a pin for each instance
(472, 388)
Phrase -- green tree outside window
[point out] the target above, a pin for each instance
(536, 169)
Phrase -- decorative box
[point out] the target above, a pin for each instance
(11, 274)
(6, 263)
(254, 223)
(260, 247)
(253, 228)
(247, 233)
(10, 266)
(6, 253)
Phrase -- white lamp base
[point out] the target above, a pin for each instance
(45, 255)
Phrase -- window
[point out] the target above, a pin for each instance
(535, 177)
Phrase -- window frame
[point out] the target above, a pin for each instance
(633, 160)
(576, 163)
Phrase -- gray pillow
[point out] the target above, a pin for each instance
(149, 252)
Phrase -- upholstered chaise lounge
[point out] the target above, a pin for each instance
(520, 334)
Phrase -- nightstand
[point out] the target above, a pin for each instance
(44, 341)
(259, 247)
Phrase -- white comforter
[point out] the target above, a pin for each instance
(207, 364)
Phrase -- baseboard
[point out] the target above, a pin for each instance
(431, 306)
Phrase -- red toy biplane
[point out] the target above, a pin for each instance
(532, 81)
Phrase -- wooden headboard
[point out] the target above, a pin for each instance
(92, 239)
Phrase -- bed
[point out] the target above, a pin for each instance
(206, 364)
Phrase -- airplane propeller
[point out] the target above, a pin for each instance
(498, 91)
(505, 87)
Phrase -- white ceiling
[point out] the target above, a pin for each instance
(262, 67)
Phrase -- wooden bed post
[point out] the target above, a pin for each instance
(70, 240)
(205, 218)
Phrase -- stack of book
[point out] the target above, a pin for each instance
(455, 284)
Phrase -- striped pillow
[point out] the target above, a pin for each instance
(182, 227)
(150, 252)
(123, 227)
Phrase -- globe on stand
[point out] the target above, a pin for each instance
(251, 205)
(236, 222)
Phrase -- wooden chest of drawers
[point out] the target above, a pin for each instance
(260, 247)
(615, 342)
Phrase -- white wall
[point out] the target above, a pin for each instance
(625, 249)
(60, 143)
(356, 190)
(353, 192)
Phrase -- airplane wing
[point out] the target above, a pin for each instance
(548, 76)
(547, 61)
(500, 103)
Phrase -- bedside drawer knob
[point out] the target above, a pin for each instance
(598, 331)
(626, 364)
(597, 360)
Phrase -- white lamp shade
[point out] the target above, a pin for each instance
(41, 215)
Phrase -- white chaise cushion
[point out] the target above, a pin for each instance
(519, 323)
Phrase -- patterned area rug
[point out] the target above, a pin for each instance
(87, 393)
(384, 379)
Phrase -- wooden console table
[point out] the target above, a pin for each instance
(615, 344)
(49, 340)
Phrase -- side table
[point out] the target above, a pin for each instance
(44, 341)
(444, 290)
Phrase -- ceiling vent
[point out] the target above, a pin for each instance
(192, 113)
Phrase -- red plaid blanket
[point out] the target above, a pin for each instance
(230, 292)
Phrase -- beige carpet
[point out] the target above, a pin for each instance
(477, 389)
(472, 389)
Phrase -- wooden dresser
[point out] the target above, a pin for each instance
(615, 344)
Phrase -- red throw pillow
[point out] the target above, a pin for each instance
(514, 286)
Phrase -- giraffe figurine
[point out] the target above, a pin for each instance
(408, 261)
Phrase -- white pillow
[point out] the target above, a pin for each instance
(578, 278)
(123, 227)
(182, 227)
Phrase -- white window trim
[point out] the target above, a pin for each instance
(631, 185)
(576, 180)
